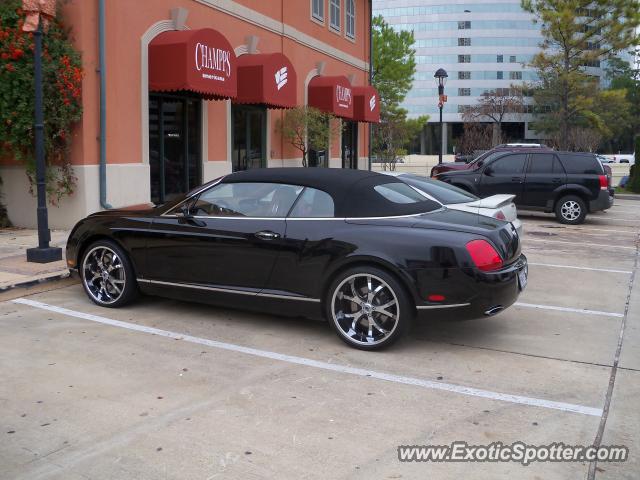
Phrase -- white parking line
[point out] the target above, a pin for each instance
(360, 372)
(587, 229)
(578, 243)
(579, 268)
(567, 309)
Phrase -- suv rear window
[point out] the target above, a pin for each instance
(582, 164)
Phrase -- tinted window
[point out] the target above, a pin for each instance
(399, 193)
(246, 200)
(441, 191)
(544, 163)
(581, 164)
(485, 158)
(313, 204)
(511, 164)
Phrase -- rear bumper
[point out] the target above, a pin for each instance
(603, 202)
(492, 291)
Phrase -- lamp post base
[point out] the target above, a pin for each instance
(44, 255)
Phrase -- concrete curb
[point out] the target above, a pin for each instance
(627, 196)
(37, 280)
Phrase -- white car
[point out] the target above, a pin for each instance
(454, 198)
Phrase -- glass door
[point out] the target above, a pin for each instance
(249, 137)
(175, 158)
(350, 145)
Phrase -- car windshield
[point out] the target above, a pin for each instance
(441, 191)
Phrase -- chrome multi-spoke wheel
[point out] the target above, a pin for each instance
(365, 309)
(104, 275)
(570, 210)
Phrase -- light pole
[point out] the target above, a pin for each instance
(38, 15)
(441, 76)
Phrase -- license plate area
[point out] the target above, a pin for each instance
(523, 274)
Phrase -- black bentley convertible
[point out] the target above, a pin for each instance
(366, 251)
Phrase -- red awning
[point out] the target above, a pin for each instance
(332, 95)
(200, 61)
(266, 78)
(366, 104)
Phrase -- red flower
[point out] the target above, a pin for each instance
(17, 54)
(10, 67)
(4, 56)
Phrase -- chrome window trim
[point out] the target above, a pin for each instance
(344, 219)
(228, 290)
(450, 305)
(197, 192)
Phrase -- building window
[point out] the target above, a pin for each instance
(464, 58)
(464, 42)
(515, 75)
(464, 75)
(350, 18)
(466, 25)
(464, 92)
(334, 14)
(463, 108)
(499, 58)
(317, 10)
(499, 75)
(512, 59)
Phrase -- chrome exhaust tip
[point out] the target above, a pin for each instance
(494, 310)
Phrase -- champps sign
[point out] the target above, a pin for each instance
(214, 63)
(343, 96)
(372, 103)
(281, 77)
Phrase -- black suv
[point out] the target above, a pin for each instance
(569, 184)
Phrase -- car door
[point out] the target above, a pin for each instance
(544, 176)
(228, 237)
(504, 175)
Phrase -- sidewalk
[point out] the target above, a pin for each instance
(14, 268)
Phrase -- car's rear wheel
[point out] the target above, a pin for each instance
(368, 308)
(107, 275)
(571, 210)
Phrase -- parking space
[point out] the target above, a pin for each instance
(167, 389)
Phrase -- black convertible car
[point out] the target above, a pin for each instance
(366, 251)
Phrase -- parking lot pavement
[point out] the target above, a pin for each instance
(166, 389)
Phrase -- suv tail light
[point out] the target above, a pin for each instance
(604, 182)
(484, 255)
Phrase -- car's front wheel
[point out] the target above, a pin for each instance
(107, 275)
(368, 308)
(571, 210)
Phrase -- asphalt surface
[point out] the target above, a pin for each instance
(166, 389)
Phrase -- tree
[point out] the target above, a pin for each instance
(634, 181)
(393, 135)
(623, 76)
(577, 34)
(394, 66)
(394, 63)
(495, 106)
(476, 136)
(306, 128)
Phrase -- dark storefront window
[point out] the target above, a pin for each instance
(175, 157)
(350, 145)
(249, 137)
(319, 154)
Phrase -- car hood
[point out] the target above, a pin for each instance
(131, 210)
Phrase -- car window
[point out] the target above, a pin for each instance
(441, 191)
(399, 193)
(509, 165)
(313, 203)
(544, 163)
(584, 164)
(246, 200)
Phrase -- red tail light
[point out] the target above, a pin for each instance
(604, 182)
(484, 255)
(499, 215)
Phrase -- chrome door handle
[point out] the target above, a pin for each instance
(266, 235)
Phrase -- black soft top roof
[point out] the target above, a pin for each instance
(352, 190)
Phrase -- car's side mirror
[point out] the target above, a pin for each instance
(488, 171)
(185, 210)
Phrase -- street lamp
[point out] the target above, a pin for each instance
(38, 15)
(441, 76)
